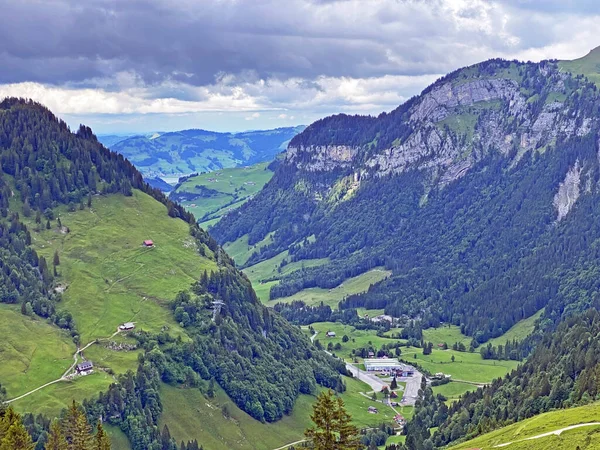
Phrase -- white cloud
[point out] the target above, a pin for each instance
(253, 116)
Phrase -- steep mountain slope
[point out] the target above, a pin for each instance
(480, 195)
(72, 219)
(183, 152)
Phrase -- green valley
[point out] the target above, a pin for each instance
(211, 195)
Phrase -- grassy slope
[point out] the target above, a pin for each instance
(332, 297)
(453, 390)
(589, 66)
(519, 331)
(189, 415)
(542, 424)
(32, 351)
(448, 334)
(240, 251)
(111, 279)
(236, 184)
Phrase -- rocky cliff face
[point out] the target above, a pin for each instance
(568, 192)
(460, 120)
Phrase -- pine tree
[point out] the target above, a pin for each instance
(101, 441)
(17, 438)
(56, 438)
(77, 429)
(332, 428)
(13, 435)
(56, 260)
(48, 226)
(394, 384)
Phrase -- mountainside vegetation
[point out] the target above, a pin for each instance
(494, 221)
(65, 260)
(481, 197)
(180, 153)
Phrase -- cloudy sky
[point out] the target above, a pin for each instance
(136, 66)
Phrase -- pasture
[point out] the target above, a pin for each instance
(585, 437)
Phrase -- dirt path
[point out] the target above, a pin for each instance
(68, 371)
(289, 445)
(550, 433)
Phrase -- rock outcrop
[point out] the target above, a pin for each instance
(568, 192)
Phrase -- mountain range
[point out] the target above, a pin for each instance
(174, 154)
(480, 195)
(475, 202)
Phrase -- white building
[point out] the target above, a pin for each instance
(127, 326)
(382, 364)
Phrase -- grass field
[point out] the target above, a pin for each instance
(32, 351)
(519, 331)
(110, 279)
(453, 390)
(466, 366)
(118, 439)
(331, 297)
(589, 66)
(190, 415)
(358, 338)
(240, 250)
(448, 334)
(230, 188)
(52, 399)
(585, 437)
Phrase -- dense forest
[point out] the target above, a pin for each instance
(488, 244)
(260, 360)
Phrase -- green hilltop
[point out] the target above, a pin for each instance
(588, 66)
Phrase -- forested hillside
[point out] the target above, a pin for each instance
(480, 195)
(261, 361)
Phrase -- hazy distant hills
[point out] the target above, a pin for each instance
(183, 152)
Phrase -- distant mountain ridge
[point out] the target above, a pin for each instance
(179, 153)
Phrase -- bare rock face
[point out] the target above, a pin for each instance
(568, 192)
(322, 158)
(457, 123)
(437, 104)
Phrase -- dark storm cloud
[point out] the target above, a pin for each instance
(192, 42)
